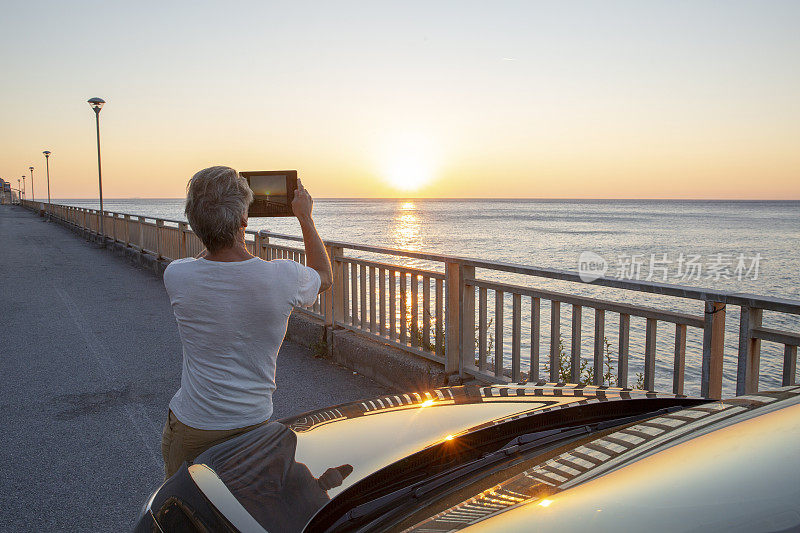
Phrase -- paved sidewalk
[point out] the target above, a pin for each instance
(89, 357)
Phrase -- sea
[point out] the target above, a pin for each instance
(736, 246)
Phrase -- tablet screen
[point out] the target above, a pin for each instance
(273, 186)
(273, 192)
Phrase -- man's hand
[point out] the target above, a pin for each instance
(302, 204)
(316, 256)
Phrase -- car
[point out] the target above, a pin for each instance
(519, 457)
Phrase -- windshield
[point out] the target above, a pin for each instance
(476, 455)
(541, 477)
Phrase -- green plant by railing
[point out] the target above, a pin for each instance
(586, 375)
(417, 337)
(489, 337)
(586, 372)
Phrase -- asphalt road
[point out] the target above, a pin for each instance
(89, 358)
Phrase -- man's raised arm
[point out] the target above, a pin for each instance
(316, 256)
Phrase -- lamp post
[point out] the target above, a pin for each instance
(33, 192)
(97, 105)
(47, 162)
(19, 191)
(24, 188)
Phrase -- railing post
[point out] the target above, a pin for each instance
(257, 244)
(679, 364)
(159, 225)
(713, 351)
(789, 365)
(747, 368)
(263, 237)
(114, 227)
(466, 317)
(182, 228)
(599, 346)
(452, 337)
(127, 230)
(334, 310)
(650, 355)
(575, 346)
(499, 306)
(536, 324)
(516, 337)
(141, 234)
(555, 340)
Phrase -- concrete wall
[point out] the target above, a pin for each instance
(380, 362)
(385, 364)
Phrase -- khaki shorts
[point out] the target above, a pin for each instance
(180, 442)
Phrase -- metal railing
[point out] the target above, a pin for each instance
(443, 313)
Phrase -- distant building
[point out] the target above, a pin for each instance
(5, 193)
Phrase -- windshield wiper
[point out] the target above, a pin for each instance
(539, 437)
(521, 444)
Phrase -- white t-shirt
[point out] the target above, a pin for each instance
(232, 317)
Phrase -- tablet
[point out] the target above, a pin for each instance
(273, 192)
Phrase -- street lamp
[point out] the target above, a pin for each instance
(33, 193)
(47, 161)
(24, 188)
(97, 104)
(19, 191)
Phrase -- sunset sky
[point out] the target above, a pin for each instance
(637, 99)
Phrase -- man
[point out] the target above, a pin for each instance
(232, 311)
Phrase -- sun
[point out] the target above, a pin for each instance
(408, 173)
(407, 163)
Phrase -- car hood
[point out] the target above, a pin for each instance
(283, 472)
